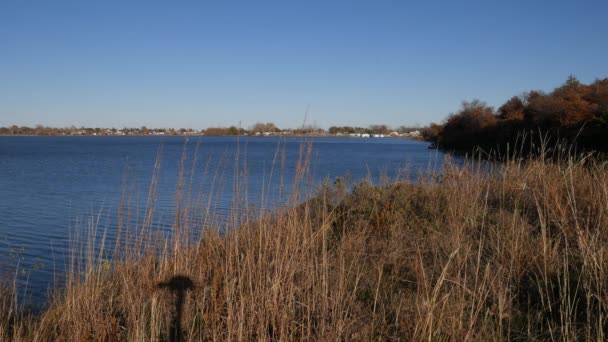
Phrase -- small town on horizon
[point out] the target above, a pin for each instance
(258, 130)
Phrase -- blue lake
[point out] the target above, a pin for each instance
(52, 186)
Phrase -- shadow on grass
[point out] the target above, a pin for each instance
(178, 285)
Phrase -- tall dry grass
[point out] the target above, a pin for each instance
(516, 253)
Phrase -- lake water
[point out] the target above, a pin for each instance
(51, 186)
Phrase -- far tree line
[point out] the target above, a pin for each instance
(259, 128)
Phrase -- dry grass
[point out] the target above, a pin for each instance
(519, 253)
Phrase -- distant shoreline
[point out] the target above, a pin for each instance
(211, 136)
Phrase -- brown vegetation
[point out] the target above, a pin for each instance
(223, 131)
(519, 253)
(572, 113)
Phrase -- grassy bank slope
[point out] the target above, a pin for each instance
(520, 253)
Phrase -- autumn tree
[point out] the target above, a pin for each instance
(513, 109)
(573, 112)
(378, 129)
(265, 127)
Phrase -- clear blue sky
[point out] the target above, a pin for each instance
(199, 64)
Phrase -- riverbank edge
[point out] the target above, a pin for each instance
(514, 254)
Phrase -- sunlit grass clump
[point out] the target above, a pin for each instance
(516, 253)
